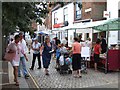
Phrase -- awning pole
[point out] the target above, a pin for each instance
(106, 63)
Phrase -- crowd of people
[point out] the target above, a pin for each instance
(47, 49)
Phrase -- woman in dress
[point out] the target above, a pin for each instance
(76, 58)
(46, 54)
(14, 47)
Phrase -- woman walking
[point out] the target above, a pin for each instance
(76, 58)
(97, 51)
(15, 47)
(46, 54)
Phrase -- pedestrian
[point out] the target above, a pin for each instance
(65, 41)
(40, 38)
(14, 47)
(58, 55)
(80, 38)
(97, 51)
(76, 58)
(103, 45)
(89, 44)
(36, 53)
(22, 58)
(46, 54)
(29, 43)
(57, 41)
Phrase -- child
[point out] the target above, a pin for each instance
(58, 55)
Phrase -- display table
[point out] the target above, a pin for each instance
(113, 61)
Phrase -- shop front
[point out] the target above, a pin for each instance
(111, 59)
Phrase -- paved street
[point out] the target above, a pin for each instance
(55, 80)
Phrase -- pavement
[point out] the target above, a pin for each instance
(55, 80)
(38, 80)
(7, 82)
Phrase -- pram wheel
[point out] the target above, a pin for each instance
(84, 71)
(58, 69)
(70, 72)
(61, 72)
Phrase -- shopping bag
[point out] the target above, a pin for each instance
(9, 56)
(61, 59)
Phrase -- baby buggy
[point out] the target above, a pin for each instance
(83, 65)
(64, 63)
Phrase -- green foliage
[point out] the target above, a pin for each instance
(21, 14)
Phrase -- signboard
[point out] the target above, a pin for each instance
(106, 14)
(85, 52)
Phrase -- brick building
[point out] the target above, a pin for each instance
(75, 14)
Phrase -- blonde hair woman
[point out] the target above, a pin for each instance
(46, 54)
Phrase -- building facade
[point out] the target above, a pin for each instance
(74, 15)
(114, 36)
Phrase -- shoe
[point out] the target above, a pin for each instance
(31, 68)
(47, 74)
(79, 76)
(19, 75)
(75, 76)
(39, 68)
(17, 83)
(26, 76)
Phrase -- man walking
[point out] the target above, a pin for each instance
(22, 58)
(103, 45)
(36, 53)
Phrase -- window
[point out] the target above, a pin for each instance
(118, 13)
(65, 13)
(87, 35)
(55, 18)
(78, 11)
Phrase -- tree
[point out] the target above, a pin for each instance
(20, 15)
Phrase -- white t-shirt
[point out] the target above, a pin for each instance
(36, 46)
(29, 41)
(23, 46)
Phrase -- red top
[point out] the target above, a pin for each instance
(96, 49)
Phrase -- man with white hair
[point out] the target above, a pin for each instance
(36, 53)
(22, 58)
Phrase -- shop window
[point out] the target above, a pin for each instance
(87, 35)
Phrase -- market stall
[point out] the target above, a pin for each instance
(111, 60)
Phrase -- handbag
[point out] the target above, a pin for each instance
(9, 56)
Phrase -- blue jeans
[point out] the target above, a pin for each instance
(23, 65)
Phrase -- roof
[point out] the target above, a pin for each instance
(111, 25)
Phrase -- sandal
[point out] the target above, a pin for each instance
(75, 76)
(17, 83)
(79, 76)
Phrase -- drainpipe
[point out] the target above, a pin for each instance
(1, 31)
